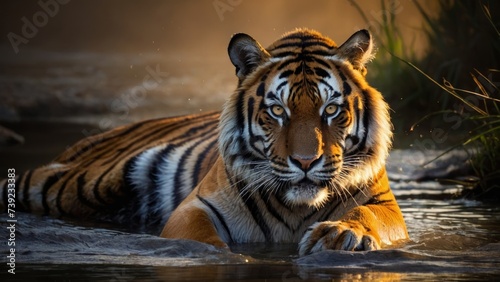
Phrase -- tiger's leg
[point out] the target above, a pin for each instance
(194, 218)
(366, 227)
(192, 222)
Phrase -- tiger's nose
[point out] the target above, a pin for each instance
(304, 162)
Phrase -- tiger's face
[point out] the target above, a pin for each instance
(303, 124)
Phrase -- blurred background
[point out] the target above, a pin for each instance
(81, 61)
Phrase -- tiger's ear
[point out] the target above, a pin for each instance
(358, 49)
(245, 54)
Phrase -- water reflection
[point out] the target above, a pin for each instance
(287, 273)
(450, 225)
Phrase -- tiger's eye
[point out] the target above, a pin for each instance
(331, 109)
(277, 110)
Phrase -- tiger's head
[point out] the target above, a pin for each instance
(303, 122)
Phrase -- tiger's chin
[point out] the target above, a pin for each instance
(307, 193)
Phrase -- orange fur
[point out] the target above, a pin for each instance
(189, 220)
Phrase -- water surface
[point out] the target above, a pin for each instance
(451, 239)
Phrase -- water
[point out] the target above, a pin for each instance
(451, 239)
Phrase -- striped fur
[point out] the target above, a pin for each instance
(297, 155)
(117, 176)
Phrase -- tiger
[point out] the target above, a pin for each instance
(297, 155)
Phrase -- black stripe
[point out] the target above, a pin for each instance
(259, 218)
(286, 74)
(182, 138)
(136, 201)
(178, 197)
(285, 54)
(283, 171)
(280, 161)
(51, 180)
(264, 76)
(95, 189)
(150, 137)
(261, 89)
(304, 43)
(240, 118)
(375, 201)
(347, 88)
(154, 173)
(341, 74)
(356, 111)
(281, 85)
(192, 131)
(322, 62)
(366, 114)
(201, 157)
(59, 196)
(321, 72)
(253, 138)
(271, 96)
(272, 209)
(127, 168)
(26, 191)
(254, 210)
(154, 187)
(298, 59)
(127, 148)
(299, 69)
(306, 56)
(102, 140)
(80, 184)
(300, 36)
(284, 64)
(325, 83)
(218, 215)
(354, 139)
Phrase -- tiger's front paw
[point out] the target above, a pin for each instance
(337, 235)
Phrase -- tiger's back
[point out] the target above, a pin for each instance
(134, 175)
